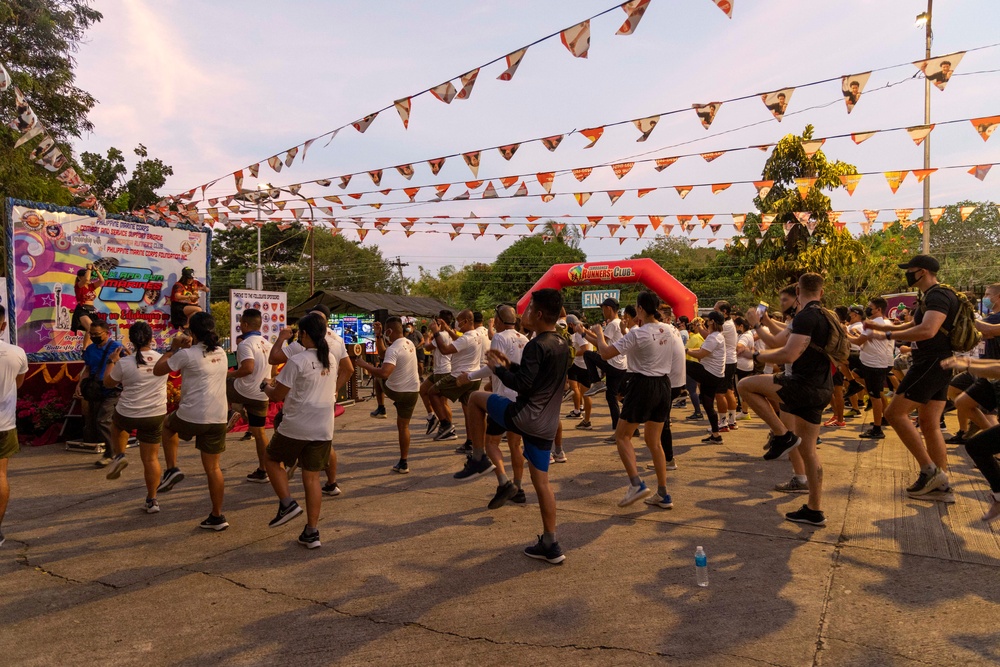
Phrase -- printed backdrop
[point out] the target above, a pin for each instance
(140, 263)
(271, 306)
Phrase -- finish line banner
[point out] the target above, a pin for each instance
(140, 262)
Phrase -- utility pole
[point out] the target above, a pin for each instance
(399, 264)
(926, 20)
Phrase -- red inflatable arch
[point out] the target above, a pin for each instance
(645, 271)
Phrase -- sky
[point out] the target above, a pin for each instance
(212, 87)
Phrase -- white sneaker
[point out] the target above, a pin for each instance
(671, 465)
(559, 457)
(634, 494)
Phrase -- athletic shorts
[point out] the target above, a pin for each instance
(8, 444)
(403, 401)
(147, 429)
(984, 393)
(81, 311)
(963, 381)
(256, 409)
(647, 399)
(805, 401)
(536, 449)
(729, 379)
(925, 381)
(875, 379)
(208, 438)
(854, 362)
(577, 374)
(449, 388)
(437, 377)
(177, 317)
(838, 379)
(623, 385)
(312, 455)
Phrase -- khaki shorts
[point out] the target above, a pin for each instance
(437, 377)
(208, 438)
(8, 444)
(448, 387)
(147, 429)
(312, 455)
(403, 401)
(254, 407)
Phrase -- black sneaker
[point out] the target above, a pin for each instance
(539, 551)
(585, 426)
(215, 522)
(474, 468)
(957, 439)
(402, 468)
(432, 423)
(697, 416)
(926, 483)
(519, 497)
(331, 489)
(806, 515)
(464, 448)
(780, 446)
(258, 476)
(872, 434)
(117, 465)
(446, 434)
(504, 493)
(714, 439)
(285, 514)
(378, 412)
(171, 476)
(247, 437)
(309, 540)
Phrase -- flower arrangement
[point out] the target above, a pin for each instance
(36, 416)
(173, 392)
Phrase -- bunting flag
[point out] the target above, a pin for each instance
(859, 137)
(664, 162)
(964, 211)
(411, 192)
(810, 146)
(376, 176)
(295, 188)
(548, 197)
(642, 192)
(980, 171)
(726, 6)
(592, 134)
(508, 181)
(513, 60)
(472, 160)
(344, 180)
(613, 229)
(705, 218)
(582, 197)
(682, 190)
(6, 81)
(29, 135)
(870, 215)
(895, 179)
(290, 156)
(522, 191)
(866, 227)
(850, 182)
(25, 118)
(483, 226)
(655, 221)
(763, 188)
(706, 112)
(789, 224)
(766, 219)
(936, 213)
(811, 226)
(985, 126)
(531, 228)
(635, 10)
(490, 192)
(436, 164)
(919, 132)
(445, 92)
(274, 162)
(583, 173)
(457, 226)
(739, 219)
(708, 157)
(577, 39)
(640, 228)
(803, 216)
(622, 168)
(939, 70)
(403, 107)
(545, 179)
(238, 177)
(719, 187)
(255, 169)
(362, 233)
(777, 102)
(715, 227)
(804, 185)
(468, 81)
(405, 170)
(508, 151)
(852, 86)
(552, 143)
(903, 214)
(362, 125)
(462, 197)
(473, 185)
(615, 195)
(921, 174)
(646, 126)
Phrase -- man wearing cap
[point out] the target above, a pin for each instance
(614, 368)
(925, 386)
(184, 298)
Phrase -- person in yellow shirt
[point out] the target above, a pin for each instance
(694, 342)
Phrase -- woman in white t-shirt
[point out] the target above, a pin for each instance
(710, 370)
(203, 409)
(745, 347)
(141, 407)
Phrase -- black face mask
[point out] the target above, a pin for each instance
(790, 311)
(868, 312)
(911, 279)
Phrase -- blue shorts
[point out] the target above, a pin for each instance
(536, 450)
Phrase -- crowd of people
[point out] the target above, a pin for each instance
(511, 374)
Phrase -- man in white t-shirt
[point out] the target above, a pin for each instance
(440, 368)
(243, 386)
(484, 333)
(13, 366)
(280, 353)
(464, 351)
(614, 368)
(400, 382)
(876, 359)
(578, 377)
(726, 398)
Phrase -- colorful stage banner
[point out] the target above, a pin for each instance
(139, 264)
(5, 334)
(272, 307)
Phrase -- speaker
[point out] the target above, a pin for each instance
(381, 315)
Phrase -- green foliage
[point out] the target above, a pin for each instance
(340, 265)
(447, 286)
(220, 311)
(967, 249)
(519, 267)
(117, 193)
(234, 253)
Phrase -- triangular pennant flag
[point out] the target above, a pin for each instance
(548, 197)
(532, 218)
(592, 134)
(715, 227)
(295, 188)
(739, 219)
(621, 240)
(708, 157)
(403, 107)
(985, 126)
(655, 221)
(859, 137)
(522, 191)
(920, 226)
(405, 170)
(789, 224)
(683, 190)
(445, 92)
(409, 233)
(664, 162)
(939, 70)
(706, 112)
(684, 220)
(508, 181)
(810, 146)
(964, 211)
(919, 133)
(323, 182)
(482, 227)
(29, 135)
(921, 174)
(274, 162)
(833, 217)
(577, 39)
(490, 192)
(362, 125)
(895, 179)
(719, 187)
(584, 231)
(622, 168)
(238, 176)
(777, 102)
(936, 213)
(811, 226)
(508, 151)
(557, 227)
(468, 81)
(545, 179)
(344, 180)
(472, 160)
(866, 227)
(290, 156)
(353, 195)
(582, 197)
(980, 171)
(513, 60)
(803, 216)
(436, 164)
(594, 219)
(457, 226)
(668, 229)
(804, 185)
(640, 229)
(376, 176)
(852, 86)
(582, 173)
(362, 233)
(705, 218)
(254, 169)
(642, 192)
(472, 185)
(453, 235)
(333, 199)
(726, 6)
(615, 195)
(850, 182)
(763, 188)
(462, 197)
(635, 10)
(411, 192)
(613, 229)
(506, 225)
(553, 142)
(766, 219)
(6, 81)
(646, 126)
(886, 224)
(531, 227)
(625, 219)
(871, 215)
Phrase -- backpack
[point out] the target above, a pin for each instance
(963, 335)
(563, 332)
(837, 348)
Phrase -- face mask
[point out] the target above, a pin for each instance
(868, 312)
(911, 279)
(987, 303)
(790, 311)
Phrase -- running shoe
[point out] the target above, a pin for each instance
(258, 476)
(663, 502)
(446, 434)
(585, 426)
(519, 497)
(872, 434)
(926, 483)
(402, 468)
(214, 522)
(432, 422)
(697, 416)
(170, 479)
(743, 416)
(610, 440)
(234, 418)
(285, 514)
(945, 495)
(309, 540)
(792, 486)
(957, 439)
(464, 448)
(595, 389)
(992, 513)
(807, 516)
(151, 506)
(474, 468)
(504, 493)
(680, 403)
(378, 412)
(724, 428)
(835, 423)
(733, 426)
(559, 457)
(713, 439)
(568, 394)
(852, 413)
(103, 462)
(552, 554)
(331, 489)
(670, 465)
(119, 463)
(574, 414)
(634, 494)
(247, 437)
(781, 445)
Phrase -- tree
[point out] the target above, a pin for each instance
(234, 253)
(113, 190)
(519, 267)
(965, 248)
(446, 286)
(560, 232)
(339, 265)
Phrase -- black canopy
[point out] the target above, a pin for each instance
(369, 302)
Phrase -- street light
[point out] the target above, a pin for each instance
(263, 192)
(924, 21)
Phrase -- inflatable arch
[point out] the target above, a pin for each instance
(682, 300)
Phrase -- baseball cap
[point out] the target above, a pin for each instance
(321, 308)
(922, 262)
(611, 303)
(857, 309)
(187, 272)
(572, 320)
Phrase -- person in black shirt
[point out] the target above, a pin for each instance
(539, 381)
(803, 392)
(925, 386)
(980, 395)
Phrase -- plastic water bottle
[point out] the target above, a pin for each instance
(701, 566)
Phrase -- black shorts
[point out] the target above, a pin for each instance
(838, 379)
(81, 311)
(647, 399)
(925, 381)
(854, 362)
(743, 374)
(984, 393)
(177, 317)
(577, 374)
(729, 380)
(963, 381)
(802, 399)
(875, 379)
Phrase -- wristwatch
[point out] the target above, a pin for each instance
(888, 335)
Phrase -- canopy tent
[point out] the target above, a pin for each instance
(369, 302)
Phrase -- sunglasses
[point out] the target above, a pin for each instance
(496, 310)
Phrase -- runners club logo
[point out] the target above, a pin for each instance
(601, 272)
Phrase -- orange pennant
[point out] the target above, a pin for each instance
(705, 218)
(362, 233)
(468, 81)
(965, 211)
(592, 134)
(642, 192)
(622, 168)
(726, 6)
(811, 146)
(472, 185)
(655, 221)
(625, 219)
(663, 163)
(635, 10)
(871, 215)
(936, 214)
(531, 227)
(739, 219)
(984, 126)
(441, 189)
(522, 191)
(545, 179)
(980, 171)
(859, 137)
(640, 229)
(405, 170)
(513, 60)
(582, 173)
(708, 157)
(895, 179)
(921, 174)
(547, 197)
(376, 176)
(683, 190)
(577, 39)
(613, 229)
(919, 132)
(615, 195)
(645, 126)
(508, 181)
(804, 185)
(719, 187)
(552, 143)
(436, 164)
(763, 187)
(766, 219)
(411, 192)
(850, 182)
(532, 218)
(582, 197)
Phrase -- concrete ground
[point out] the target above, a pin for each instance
(414, 570)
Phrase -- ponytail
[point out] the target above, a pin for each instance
(141, 335)
(202, 327)
(314, 326)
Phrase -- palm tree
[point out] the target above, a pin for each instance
(561, 232)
